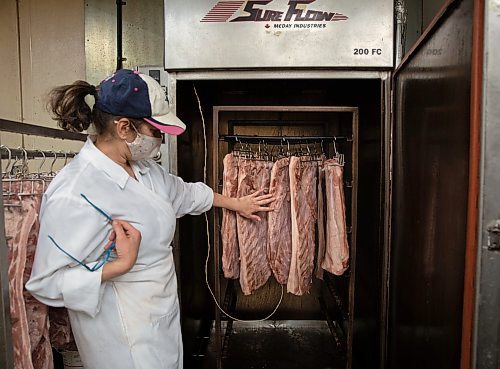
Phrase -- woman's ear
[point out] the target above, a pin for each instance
(122, 127)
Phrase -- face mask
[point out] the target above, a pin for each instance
(143, 146)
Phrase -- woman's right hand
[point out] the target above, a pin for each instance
(127, 240)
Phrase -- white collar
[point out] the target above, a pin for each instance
(101, 161)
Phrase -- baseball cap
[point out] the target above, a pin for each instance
(132, 94)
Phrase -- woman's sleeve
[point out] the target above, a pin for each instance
(57, 280)
(188, 198)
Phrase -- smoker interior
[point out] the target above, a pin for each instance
(302, 325)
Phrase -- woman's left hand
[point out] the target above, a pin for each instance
(249, 205)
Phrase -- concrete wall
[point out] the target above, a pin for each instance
(42, 45)
(143, 35)
(45, 43)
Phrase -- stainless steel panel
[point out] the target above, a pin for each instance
(275, 75)
(431, 153)
(487, 328)
(222, 34)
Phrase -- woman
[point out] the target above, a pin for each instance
(109, 200)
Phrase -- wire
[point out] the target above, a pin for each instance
(208, 232)
(97, 208)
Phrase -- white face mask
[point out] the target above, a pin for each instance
(144, 146)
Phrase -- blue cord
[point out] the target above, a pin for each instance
(107, 253)
(96, 208)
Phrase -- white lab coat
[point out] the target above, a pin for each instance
(132, 321)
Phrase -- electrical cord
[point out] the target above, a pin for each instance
(208, 231)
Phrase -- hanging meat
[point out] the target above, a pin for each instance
(337, 248)
(18, 222)
(61, 335)
(303, 176)
(29, 317)
(279, 248)
(253, 175)
(321, 221)
(37, 314)
(230, 249)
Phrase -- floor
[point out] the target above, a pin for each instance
(278, 345)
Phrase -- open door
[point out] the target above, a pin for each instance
(431, 138)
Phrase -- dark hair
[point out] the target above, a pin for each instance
(72, 113)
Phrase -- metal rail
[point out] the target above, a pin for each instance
(35, 130)
(282, 139)
(8, 153)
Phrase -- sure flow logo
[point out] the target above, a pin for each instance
(294, 16)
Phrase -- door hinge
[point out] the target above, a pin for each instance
(493, 229)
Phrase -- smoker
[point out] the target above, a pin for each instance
(319, 70)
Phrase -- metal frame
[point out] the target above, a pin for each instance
(6, 350)
(275, 74)
(215, 229)
(385, 77)
(486, 339)
(386, 176)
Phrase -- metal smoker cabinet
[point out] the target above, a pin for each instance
(431, 133)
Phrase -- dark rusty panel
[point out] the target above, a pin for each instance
(430, 198)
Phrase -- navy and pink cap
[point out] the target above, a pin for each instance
(132, 94)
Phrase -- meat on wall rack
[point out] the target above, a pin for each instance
(20, 154)
(6, 350)
(338, 316)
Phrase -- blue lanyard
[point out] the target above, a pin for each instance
(104, 257)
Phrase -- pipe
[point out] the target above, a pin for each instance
(119, 34)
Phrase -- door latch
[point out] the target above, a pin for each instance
(493, 229)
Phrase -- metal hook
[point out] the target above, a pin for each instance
(53, 162)
(25, 154)
(235, 147)
(65, 157)
(335, 148)
(43, 161)
(9, 159)
(25, 170)
(11, 171)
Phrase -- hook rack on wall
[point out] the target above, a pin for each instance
(8, 153)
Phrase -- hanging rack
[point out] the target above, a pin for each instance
(276, 140)
(33, 154)
(21, 155)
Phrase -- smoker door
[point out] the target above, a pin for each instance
(430, 189)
